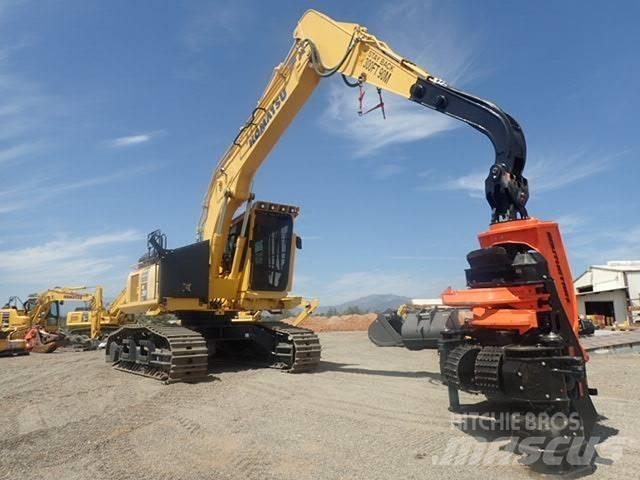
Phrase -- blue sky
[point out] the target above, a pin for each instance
(114, 114)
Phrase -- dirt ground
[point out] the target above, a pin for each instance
(368, 413)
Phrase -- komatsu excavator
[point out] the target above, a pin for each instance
(39, 323)
(37, 320)
(95, 320)
(521, 343)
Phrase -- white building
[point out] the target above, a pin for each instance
(611, 290)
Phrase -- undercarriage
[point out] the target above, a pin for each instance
(177, 353)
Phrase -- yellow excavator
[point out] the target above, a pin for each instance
(94, 320)
(242, 265)
(520, 346)
(39, 324)
(10, 347)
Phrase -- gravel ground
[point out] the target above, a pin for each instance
(368, 413)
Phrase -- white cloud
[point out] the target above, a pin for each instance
(24, 110)
(551, 172)
(433, 36)
(387, 170)
(103, 179)
(5, 5)
(217, 23)
(11, 207)
(438, 48)
(406, 121)
(472, 183)
(544, 173)
(63, 260)
(16, 151)
(35, 191)
(597, 246)
(131, 140)
(571, 222)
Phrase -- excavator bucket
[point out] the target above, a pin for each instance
(422, 330)
(385, 330)
(417, 330)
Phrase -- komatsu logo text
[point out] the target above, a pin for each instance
(266, 118)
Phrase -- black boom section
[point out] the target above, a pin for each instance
(506, 188)
(184, 272)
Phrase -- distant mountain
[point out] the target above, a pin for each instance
(370, 303)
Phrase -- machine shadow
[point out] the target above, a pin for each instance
(326, 366)
(208, 379)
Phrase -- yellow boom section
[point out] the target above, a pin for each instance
(322, 47)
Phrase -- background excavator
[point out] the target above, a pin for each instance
(521, 344)
(94, 320)
(10, 346)
(40, 325)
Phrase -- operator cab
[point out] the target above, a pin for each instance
(51, 319)
(271, 243)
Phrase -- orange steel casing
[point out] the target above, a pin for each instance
(522, 302)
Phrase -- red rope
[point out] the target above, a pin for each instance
(379, 105)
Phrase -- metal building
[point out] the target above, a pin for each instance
(610, 292)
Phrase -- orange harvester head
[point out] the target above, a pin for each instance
(517, 307)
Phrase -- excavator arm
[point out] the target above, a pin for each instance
(111, 316)
(324, 47)
(41, 307)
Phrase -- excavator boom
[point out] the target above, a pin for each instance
(324, 47)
